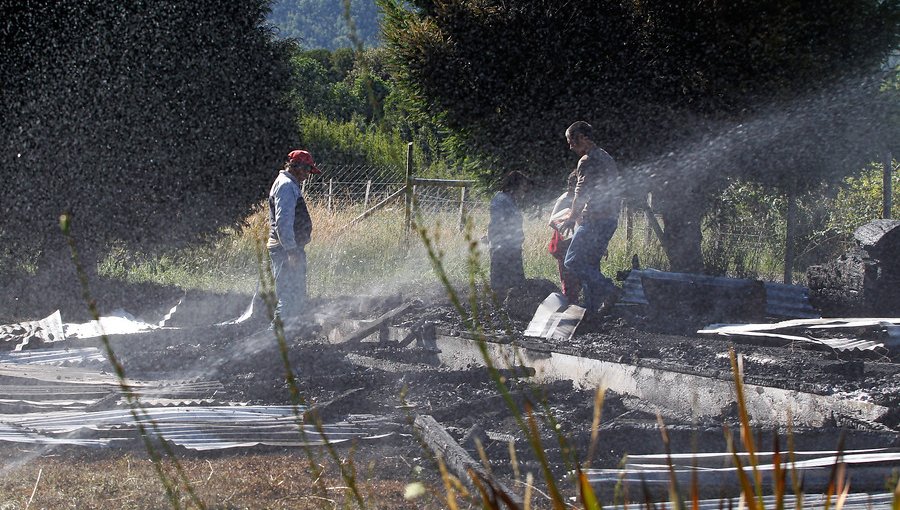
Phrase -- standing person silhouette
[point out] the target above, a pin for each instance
(506, 235)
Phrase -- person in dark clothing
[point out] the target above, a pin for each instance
(505, 233)
(594, 217)
(290, 229)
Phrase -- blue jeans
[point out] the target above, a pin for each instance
(588, 246)
(290, 282)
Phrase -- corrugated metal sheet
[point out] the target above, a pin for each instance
(854, 501)
(717, 469)
(555, 318)
(781, 300)
(788, 301)
(31, 334)
(38, 383)
(118, 322)
(76, 356)
(196, 428)
(12, 434)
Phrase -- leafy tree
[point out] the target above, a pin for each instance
(860, 199)
(684, 95)
(326, 24)
(154, 124)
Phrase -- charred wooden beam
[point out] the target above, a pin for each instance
(458, 460)
(377, 325)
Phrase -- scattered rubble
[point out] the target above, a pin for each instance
(865, 281)
(384, 370)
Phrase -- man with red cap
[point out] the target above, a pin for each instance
(290, 228)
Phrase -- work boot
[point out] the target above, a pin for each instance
(593, 322)
(609, 302)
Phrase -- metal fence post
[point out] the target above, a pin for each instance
(629, 225)
(409, 188)
(368, 190)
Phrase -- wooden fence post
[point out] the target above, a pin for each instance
(330, 192)
(409, 188)
(368, 190)
(887, 188)
(462, 207)
(790, 234)
(629, 227)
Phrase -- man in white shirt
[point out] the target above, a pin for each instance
(290, 228)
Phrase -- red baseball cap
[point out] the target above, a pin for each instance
(305, 158)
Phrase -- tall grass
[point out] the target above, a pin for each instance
(375, 255)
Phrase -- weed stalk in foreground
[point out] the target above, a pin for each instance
(472, 320)
(138, 412)
(267, 292)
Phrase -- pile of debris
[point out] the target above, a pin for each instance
(375, 366)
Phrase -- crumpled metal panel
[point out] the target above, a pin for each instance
(800, 330)
(196, 428)
(31, 334)
(781, 300)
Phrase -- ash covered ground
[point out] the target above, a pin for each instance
(382, 379)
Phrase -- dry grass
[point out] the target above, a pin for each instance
(277, 481)
(374, 256)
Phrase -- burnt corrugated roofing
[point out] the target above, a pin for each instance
(781, 300)
(196, 428)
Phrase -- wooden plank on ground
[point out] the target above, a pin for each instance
(376, 325)
(455, 457)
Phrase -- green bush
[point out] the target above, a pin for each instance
(859, 199)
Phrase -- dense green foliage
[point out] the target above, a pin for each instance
(860, 199)
(152, 123)
(352, 113)
(685, 95)
(650, 76)
(326, 24)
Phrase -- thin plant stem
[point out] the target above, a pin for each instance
(138, 412)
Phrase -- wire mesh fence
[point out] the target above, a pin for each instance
(366, 192)
(362, 188)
